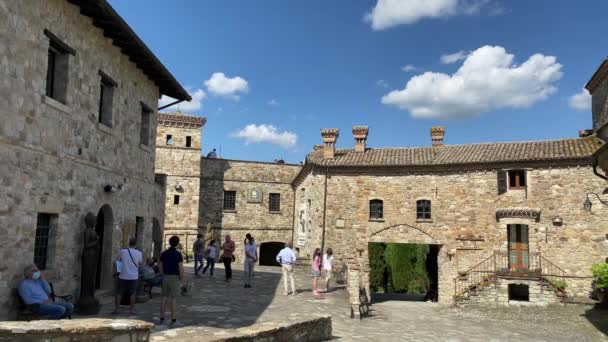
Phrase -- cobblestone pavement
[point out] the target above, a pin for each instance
(215, 305)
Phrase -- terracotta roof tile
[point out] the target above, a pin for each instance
(550, 150)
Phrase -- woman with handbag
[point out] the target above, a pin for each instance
(130, 260)
(228, 256)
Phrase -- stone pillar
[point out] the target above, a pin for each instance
(330, 136)
(360, 135)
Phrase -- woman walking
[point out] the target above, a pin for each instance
(251, 257)
(211, 256)
(316, 271)
(228, 256)
(328, 261)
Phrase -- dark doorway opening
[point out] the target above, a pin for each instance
(519, 292)
(269, 252)
(404, 272)
(99, 228)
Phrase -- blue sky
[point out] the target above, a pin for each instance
(268, 75)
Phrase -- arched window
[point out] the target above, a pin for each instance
(376, 209)
(423, 209)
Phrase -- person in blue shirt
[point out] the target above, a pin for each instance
(35, 291)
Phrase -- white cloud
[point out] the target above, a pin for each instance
(187, 107)
(389, 13)
(273, 102)
(487, 80)
(408, 68)
(453, 57)
(580, 101)
(382, 84)
(220, 85)
(268, 134)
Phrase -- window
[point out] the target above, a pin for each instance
(144, 133)
(106, 95)
(188, 141)
(41, 243)
(517, 179)
(274, 202)
(169, 139)
(176, 199)
(57, 68)
(423, 210)
(229, 200)
(376, 209)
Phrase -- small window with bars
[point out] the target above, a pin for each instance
(274, 202)
(41, 243)
(423, 210)
(376, 209)
(229, 200)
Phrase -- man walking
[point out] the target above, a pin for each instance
(172, 268)
(287, 259)
(197, 249)
(228, 256)
(130, 260)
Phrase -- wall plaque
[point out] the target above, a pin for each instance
(254, 196)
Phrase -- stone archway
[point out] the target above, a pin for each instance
(269, 252)
(157, 238)
(104, 229)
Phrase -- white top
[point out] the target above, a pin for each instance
(286, 256)
(250, 249)
(130, 267)
(211, 252)
(328, 262)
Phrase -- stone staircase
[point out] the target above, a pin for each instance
(493, 283)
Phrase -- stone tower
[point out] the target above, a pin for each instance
(178, 156)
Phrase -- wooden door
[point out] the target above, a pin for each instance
(518, 247)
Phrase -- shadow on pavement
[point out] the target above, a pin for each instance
(407, 297)
(598, 316)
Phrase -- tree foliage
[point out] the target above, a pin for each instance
(399, 267)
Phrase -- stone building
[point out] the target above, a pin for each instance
(598, 88)
(497, 207)
(78, 97)
(216, 197)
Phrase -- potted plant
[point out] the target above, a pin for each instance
(600, 273)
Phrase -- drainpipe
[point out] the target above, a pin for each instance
(293, 221)
(324, 210)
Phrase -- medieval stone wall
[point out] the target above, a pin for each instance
(599, 105)
(57, 157)
(250, 215)
(464, 218)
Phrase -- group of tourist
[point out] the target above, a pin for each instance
(168, 272)
(321, 265)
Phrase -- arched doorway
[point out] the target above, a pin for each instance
(269, 252)
(103, 228)
(157, 238)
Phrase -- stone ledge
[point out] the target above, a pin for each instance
(92, 329)
(57, 105)
(299, 330)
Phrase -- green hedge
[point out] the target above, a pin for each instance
(398, 268)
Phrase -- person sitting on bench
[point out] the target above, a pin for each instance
(149, 275)
(35, 291)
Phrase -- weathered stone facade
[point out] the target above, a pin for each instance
(182, 165)
(58, 159)
(250, 215)
(470, 214)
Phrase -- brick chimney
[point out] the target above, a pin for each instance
(437, 134)
(360, 135)
(330, 136)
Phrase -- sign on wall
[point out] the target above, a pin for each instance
(254, 196)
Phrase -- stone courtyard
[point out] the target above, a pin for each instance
(214, 307)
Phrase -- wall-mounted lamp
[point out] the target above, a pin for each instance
(179, 188)
(451, 254)
(109, 188)
(587, 204)
(557, 221)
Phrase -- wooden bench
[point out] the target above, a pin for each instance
(26, 313)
